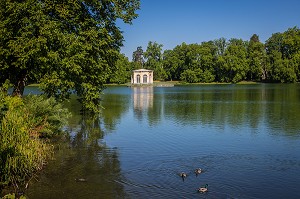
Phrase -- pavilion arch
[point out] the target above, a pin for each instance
(142, 76)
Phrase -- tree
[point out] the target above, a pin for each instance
(290, 43)
(296, 61)
(153, 55)
(233, 64)
(171, 63)
(137, 57)
(189, 76)
(274, 43)
(256, 57)
(64, 45)
(282, 70)
(283, 52)
(221, 45)
(207, 60)
(122, 71)
(194, 60)
(153, 51)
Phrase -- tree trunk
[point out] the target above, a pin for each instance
(19, 85)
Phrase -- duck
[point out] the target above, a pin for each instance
(183, 175)
(80, 180)
(198, 171)
(203, 189)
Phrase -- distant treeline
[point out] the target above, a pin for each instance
(220, 60)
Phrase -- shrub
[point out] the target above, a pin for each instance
(22, 124)
(47, 117)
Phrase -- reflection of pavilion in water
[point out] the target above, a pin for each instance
(142, 97)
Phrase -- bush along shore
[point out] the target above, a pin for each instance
(26, 126)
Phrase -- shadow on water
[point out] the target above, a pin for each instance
(83, 166)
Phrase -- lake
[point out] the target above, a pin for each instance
(245, 138)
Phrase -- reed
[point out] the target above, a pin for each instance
(25, 126)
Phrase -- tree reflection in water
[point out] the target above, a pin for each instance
(82, 155)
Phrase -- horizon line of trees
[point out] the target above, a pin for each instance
(221, 60)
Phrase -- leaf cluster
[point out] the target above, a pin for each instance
(23, 124)
(66, 46)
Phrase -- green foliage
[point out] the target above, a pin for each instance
(153, 55)
(256, 57)
(283, 54)
(296, 62)
(153, 52)
(189, 76)
(122, 71)
(171, 64)
(235, 65)
(278, 60)
(13, 196)
(207, 76)
(192, 63)
(137, 57)
(20, 154)
(283, 70)
(220, 45)
(196, 76)
(47, 115)
(3, 101)
(23, 123)
(63, 45)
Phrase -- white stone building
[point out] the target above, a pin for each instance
(142, 76)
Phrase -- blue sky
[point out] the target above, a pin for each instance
(171, 22)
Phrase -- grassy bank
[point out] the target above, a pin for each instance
(26, 124)
(174, 83)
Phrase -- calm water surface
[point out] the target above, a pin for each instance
(246, 138)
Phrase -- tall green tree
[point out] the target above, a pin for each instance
(290, 43)
(191, 62)
(199, 61)
(233, 65)
(281, 70)
(207, 59)
(171, 63)
(153, 51)
(64, 45)
(274, 43)
(122, 71)
(138, 58)
(283, 51)
(221, 45)
(176, 61)
(296, 61)
(153, 56)
(256, 58)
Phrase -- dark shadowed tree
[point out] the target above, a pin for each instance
(137, 57)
